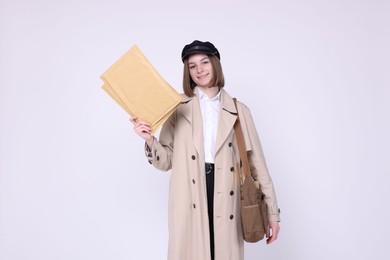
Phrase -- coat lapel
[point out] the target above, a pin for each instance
(227, 118)
(186, 108)
(191, 111)
(197, 127)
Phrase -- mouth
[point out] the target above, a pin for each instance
(202, 76)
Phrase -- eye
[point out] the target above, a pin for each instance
(205, 62)
(192, 67)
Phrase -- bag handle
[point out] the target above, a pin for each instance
(241, 145)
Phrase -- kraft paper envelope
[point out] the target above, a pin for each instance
(139, 89)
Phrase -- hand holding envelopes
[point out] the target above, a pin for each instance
(139, 89)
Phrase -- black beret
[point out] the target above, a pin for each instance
(199, 47)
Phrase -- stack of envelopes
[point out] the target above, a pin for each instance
(139, 89)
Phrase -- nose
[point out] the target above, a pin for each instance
(200, 69)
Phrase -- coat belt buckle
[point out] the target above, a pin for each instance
(209, 167)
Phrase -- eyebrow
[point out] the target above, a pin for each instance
(207, 57)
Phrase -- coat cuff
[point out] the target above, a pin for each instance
(274, 216)
(148, 152)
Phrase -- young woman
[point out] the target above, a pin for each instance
(198, 144)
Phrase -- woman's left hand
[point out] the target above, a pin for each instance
(272, 231)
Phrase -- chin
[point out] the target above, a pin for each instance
(204, 85)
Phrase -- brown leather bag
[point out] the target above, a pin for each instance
(254, 214)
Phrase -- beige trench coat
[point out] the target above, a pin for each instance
(180, 148)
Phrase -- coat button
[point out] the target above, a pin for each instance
(193, 157)
(231, 216)
(230, 144)
(232, 193)
(158, 158)
(231, 169)
(193, 181)
(194, 206)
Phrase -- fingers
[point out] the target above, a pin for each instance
(141, 128)
(134, 119)
(136, 123)
(274, 227)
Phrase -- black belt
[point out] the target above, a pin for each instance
(209, 167)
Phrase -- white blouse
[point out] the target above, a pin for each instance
(210, 109)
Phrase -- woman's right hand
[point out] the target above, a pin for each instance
(143, 129)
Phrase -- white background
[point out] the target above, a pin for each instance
(74, 183)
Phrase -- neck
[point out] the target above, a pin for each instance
(210, 92)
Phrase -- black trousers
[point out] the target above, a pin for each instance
(210, 203)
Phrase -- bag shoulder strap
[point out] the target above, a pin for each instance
(241, 145)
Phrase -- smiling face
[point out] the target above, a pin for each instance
(201, 70)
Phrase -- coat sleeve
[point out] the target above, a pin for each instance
(257, 162)
(161, 153)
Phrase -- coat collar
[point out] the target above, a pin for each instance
(191, 111)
